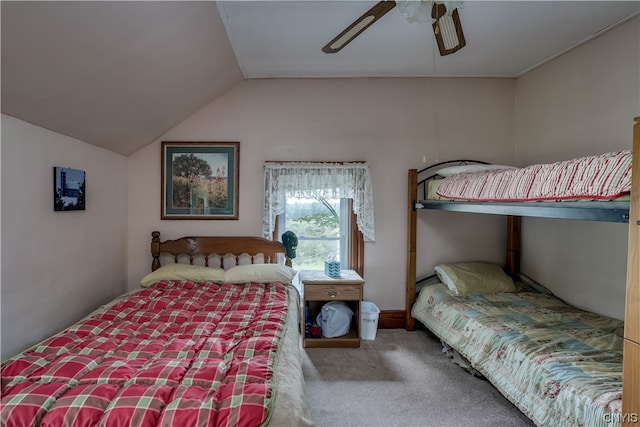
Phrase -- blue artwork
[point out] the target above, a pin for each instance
(69, 189)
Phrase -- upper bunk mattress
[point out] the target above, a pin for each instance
(604, 177)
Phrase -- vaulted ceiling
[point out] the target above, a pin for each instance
(120, 74)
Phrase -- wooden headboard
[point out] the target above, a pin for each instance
(207, 247)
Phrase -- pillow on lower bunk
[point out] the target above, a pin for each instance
(472, 278)
(260, 273)
(192, 273)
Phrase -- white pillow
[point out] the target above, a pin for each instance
(259, 273)
(453, 170)
(192, 273)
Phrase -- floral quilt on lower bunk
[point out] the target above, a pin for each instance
(560, 365)
(176, 353)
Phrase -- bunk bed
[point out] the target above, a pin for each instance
(495, 332)
(210, 338)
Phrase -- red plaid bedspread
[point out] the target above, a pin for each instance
(603, 177)
(174, 354)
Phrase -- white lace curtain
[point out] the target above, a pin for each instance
(312, 180)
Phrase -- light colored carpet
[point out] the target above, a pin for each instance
(400, 379)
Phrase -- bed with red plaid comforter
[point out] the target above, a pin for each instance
(176, 353)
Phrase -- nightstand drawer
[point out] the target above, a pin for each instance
(331, 292)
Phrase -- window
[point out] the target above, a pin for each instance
(345, 184)
(322, 227)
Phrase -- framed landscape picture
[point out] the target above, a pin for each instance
(68, 189)
(200, 180)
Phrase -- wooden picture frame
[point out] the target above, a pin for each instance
(200, 180)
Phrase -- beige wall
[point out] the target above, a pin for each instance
(57, 266)
(582, 103)
(391, 123)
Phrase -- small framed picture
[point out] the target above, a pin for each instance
(68, 189)
(200, 180)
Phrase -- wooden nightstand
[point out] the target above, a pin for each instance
(318, 288)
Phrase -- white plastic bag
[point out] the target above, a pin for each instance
(335, 319)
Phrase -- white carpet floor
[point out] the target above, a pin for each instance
(400, 379)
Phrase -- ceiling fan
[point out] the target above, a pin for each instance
(447, 28)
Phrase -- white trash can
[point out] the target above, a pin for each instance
(369, 313)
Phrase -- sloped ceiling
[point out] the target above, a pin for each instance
(120, 74)
(114, 74)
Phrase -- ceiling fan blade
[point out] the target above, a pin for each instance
(448, 31)
(359, 25)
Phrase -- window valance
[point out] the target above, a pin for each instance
(312, 180)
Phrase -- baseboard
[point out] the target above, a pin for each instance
(391, 319)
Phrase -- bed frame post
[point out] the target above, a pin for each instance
(631, 351)
(155, 250)
(411, 248)
(513, 245)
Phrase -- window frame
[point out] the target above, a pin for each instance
(355, 250)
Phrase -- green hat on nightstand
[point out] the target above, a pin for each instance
(290, 241)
